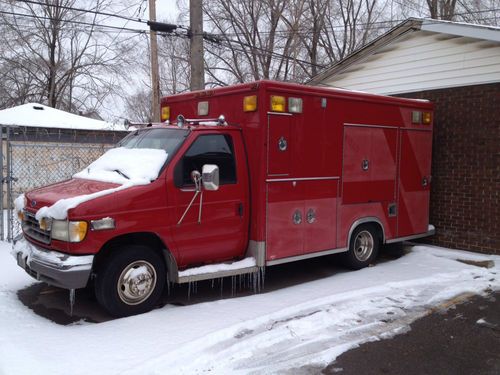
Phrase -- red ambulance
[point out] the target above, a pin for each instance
(257, 174)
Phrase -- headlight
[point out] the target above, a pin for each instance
(69, 231)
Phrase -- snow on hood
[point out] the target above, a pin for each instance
(123, 166)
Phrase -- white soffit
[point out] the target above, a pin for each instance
(423, 60)
(462, 29)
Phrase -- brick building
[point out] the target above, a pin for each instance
(457, 66)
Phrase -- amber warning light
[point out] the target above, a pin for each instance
(165, 113)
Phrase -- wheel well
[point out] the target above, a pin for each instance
(151, 240)
(374, 223)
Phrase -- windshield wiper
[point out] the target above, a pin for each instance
(121, 174)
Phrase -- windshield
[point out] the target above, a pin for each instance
(138, 159)
(162, 139)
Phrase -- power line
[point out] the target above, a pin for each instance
(72, 22)
(96, 12)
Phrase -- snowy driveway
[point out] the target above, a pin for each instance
(285, 328)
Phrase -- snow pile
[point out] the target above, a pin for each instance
(292, 325)
(19, 203)
(211, 268)
(123, 166)
(38, 115)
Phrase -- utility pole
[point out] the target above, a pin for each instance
(196, 48)
(155, 82)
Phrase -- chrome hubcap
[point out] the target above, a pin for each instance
(363, 245)
(136, 282)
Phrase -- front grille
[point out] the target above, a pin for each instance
(31, 228)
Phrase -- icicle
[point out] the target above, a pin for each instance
(71, 301)
(189, 290)
(213, 282)
(221, 282)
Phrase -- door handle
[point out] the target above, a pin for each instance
(240, 209)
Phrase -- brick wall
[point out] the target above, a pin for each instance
(465, 195)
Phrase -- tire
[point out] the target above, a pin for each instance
(130, 281)
(363, 247)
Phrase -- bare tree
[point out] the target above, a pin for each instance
(58, 55)
(442, 9)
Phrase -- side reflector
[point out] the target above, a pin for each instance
(202, 108)
(416, 117)
(295, 105)
(426, 118)
(250, 103)
(165, 113)
(278, 103)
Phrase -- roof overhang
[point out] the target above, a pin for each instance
(411, 25)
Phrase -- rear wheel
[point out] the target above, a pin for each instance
(131, 281)
(363, 247)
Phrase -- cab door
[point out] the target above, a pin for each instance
(218, 230)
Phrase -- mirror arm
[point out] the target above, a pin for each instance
(201, 206)
(189, 206)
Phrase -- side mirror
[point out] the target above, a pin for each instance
(210, 177)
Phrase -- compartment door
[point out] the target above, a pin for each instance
(320, 210)
(285, 219)
(278, 145)
(369, 165)
(414, 182)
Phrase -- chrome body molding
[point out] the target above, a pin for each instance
(302, 179)
(430, 232)
(306, 256)
(280, 113)
(257, 250)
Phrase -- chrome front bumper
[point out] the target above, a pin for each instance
(54, 268)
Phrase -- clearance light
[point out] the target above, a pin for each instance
(250, 103)
(165, 113)
(416, 117)
(20, 215)
(278, 103)
(295, 105)
(202, 108)
(426, 118)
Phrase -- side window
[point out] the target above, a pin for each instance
(207, 149)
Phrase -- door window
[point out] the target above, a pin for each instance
(207, 149)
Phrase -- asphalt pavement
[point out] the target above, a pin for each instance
(461, 339)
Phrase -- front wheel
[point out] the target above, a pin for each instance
(363, 247)
(131, 281)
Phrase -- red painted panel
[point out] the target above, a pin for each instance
(414, 195)
(378, 147)
(279, 136)
(284, 238)
(320, 200)
(222, 233)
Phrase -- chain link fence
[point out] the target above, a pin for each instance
(34, 165)
(32, 159)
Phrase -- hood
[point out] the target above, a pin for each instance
(48, 195)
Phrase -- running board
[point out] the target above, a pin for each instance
(216, 271)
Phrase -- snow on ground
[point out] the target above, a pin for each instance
(306, 324)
